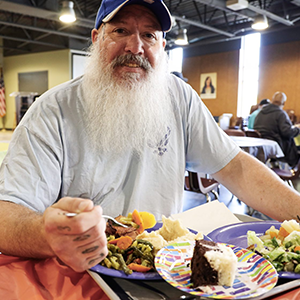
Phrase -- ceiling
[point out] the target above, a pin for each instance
(28, 26)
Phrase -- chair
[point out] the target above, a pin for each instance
(235, 132)
(288, 175)
(187, 186)
(252, 133)
(238, 123)
(208, 185)
(200, 184)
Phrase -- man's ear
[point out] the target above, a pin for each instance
(164, 43)
(94, 35)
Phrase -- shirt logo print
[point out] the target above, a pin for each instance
(161, 146)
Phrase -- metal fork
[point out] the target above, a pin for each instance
(71, 214)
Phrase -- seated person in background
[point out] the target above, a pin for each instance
(273, 123)
(116, 139)
(252, 117)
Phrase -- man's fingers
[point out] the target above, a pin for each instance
(76, 205)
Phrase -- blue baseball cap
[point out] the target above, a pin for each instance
(109, 8)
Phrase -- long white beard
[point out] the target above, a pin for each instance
(129, 113)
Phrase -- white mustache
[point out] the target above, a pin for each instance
(131, 59)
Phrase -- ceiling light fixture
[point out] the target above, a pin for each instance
(67, 13)
(182, 38)
(260, 23)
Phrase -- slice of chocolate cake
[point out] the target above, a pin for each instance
(212, 264)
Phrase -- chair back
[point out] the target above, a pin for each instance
(206, 185)
(288, 175)
(252, 133)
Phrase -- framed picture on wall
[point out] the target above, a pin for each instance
(208, 85)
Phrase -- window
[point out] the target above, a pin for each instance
(248, 74)
(175, 60)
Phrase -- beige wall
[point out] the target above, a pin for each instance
(57, 63)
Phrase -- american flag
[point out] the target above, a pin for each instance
(2, 97)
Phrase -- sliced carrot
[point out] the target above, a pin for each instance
(138, 268)
(297, 248)
(283, 232)
(122, 242)
(273, 234)
(148, 219)
(138, 220)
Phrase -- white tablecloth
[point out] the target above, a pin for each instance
(263, 149)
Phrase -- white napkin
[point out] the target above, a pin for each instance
(207, 217)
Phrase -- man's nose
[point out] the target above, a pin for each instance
(134, 44)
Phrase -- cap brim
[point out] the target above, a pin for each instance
(157, 7)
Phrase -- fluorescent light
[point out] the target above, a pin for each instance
(67, 12)
(260, 23)
(237, 4)
(182, 38)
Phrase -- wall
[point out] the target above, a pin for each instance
(57, 63)
(226, 65)
(280, 71)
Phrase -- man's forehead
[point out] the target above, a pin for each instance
(138, 12)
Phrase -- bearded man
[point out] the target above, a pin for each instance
(117, 139)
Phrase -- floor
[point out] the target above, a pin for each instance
(192, 199)
(5, 135)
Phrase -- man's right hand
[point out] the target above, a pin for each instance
(79, 241)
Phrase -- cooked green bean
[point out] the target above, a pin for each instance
(122, 263)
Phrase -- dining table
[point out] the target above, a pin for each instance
(262, 149)
(50, 279)
(125, 289)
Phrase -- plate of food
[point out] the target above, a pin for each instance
(136, 261)
(257, 233)
(215, 270)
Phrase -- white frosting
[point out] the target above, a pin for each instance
(224, 262)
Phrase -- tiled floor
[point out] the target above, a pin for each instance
(192, 199)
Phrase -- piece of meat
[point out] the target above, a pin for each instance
(129, 231)
(110, 228)
(117, 231)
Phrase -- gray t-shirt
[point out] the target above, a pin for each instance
(49, 156)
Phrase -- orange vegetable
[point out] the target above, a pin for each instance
(138, 220)
(138, 268)
(273, 234)
(297, 248)
(122, 242)
(283, 232)
(148, 219)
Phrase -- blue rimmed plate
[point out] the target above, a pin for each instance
(236, 234)
(135, 275)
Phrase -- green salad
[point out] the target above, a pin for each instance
(279, 246)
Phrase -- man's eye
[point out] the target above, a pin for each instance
(150, 36)
(119, 30)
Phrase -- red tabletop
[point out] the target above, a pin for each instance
(292, 295)
(34, 279)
